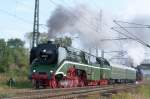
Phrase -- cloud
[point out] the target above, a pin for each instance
(136, 7)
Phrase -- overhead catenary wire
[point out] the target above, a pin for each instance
(138, 39)
(132, 23)
(85, 21)
(20, 18)
(135, 27)
(114, 39)
(130, 37)
(15, 16)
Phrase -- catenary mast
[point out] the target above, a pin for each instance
(36, 25)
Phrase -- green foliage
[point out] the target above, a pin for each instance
(66, 41)
(14, 43)
(13, 55)
(43, 38)
(14, 64)
(3, 51)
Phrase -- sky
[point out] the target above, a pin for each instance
(16, 16)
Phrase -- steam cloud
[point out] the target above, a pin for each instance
(82, 21)
(85, 22)
(135, 50)
(60, 20)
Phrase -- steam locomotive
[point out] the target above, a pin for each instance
(55, 66)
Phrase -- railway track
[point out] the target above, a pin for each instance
(24, 92)
(65, 93)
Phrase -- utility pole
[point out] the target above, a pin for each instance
(36, 25)
(102, 53)
(99, 29)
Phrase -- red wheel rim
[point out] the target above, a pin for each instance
(54, 84)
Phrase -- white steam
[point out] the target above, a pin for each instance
(92, 27)
(135, 51)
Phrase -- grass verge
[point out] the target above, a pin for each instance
(143, 92)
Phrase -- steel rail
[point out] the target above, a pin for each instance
(34, 91)
(74, 92)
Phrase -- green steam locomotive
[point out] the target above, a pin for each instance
(55, 66)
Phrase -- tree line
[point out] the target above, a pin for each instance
(13, 55)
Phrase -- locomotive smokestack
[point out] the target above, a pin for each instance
(49, 42)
